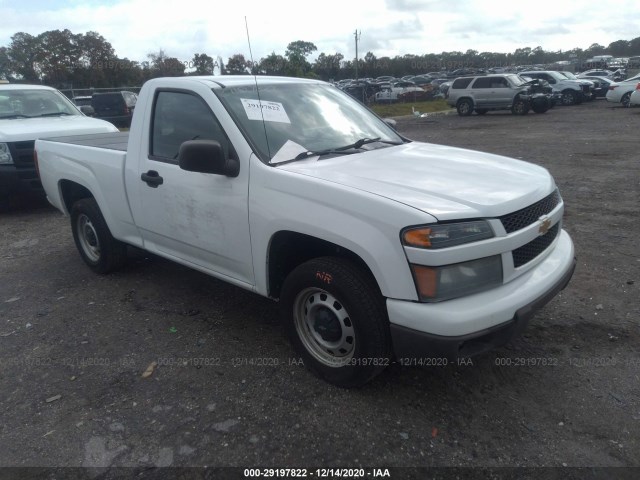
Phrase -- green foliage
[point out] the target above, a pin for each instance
(63, 59)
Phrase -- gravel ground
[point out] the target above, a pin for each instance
(228, 390)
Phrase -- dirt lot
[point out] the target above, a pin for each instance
(228, 390)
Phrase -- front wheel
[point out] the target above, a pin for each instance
(540, 105)
(569, 97)
(97, 247)
(520, 107)
(336, 320)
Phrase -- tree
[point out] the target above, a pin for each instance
(203, 64)
(272, 65)
(24, 56)
(296, 54)
(238, 65)
(59, 56)
(162, 65)
(5, 64)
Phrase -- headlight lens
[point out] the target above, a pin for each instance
(5, 154)
(435, 284)
(445, 235)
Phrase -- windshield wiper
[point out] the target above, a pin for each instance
(54, 114)
(15, 115)
(342, 150)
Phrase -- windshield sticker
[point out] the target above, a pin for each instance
(288, 152)
(272, 111)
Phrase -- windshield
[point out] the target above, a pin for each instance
(30, 103)
(516, 80)
(556, 75)
(570, 75)
(304, 117)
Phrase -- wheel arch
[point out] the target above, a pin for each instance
(71, 192)
(288, 249)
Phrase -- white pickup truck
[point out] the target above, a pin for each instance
(28, 112)
(377, 247)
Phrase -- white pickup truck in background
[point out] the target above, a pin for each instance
(377, 247)
(28, 112)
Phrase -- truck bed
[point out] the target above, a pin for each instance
(110, 141)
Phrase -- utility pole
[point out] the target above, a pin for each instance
(357, 35)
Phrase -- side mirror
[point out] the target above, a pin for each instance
(206, 156)
(391, 122)
(88, 110)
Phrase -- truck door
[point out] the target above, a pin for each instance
(195, 218)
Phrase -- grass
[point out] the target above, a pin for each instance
(400, 109)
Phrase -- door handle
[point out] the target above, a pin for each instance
(152, 178)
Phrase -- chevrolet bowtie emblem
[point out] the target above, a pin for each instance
(544, 226)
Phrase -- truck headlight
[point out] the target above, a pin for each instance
(5, 154)
(444, 235)
(435, 284)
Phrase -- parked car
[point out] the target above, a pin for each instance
(596, 73)
(598, 87)
(572, 91)
(634, 99)
(390, 95)
(376, 247)
(29, 112)
(84, 104)
(115, 107)
(620, 92)
(496, 92)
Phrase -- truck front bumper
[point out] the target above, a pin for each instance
(471, 325)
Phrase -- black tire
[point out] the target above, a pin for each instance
(464, 107)
(569, 97)
(481, 111)
(336, 319)
(520, 106)
(97, 247)
(540, 105)
(626, 99)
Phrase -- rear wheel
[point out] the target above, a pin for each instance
(336, 320)
(465, 107)
(97, 247)
(626, 100)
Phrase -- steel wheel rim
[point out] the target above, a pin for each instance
(324, 327)
(88, 238)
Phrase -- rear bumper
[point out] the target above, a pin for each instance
(472, 325)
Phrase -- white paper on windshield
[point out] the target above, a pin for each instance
(289, 151)
(272, 111)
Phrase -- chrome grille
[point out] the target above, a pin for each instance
(528, 215)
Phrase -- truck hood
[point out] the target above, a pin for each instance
(22, 129)
(446, 182)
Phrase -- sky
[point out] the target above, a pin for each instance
(181, 28)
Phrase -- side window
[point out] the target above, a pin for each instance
(461, 82)
(178, 117)
(499, 82)
(482, 82)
